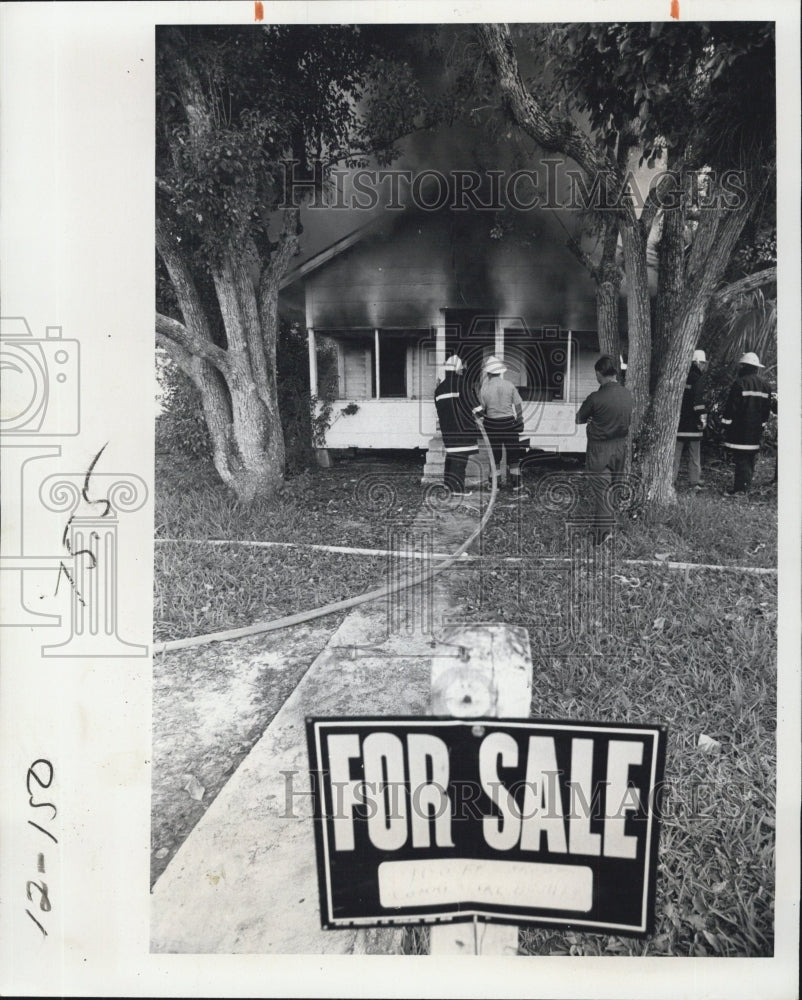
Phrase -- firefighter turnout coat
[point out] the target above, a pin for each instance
(693, 405)
(456, 406)
(745, 415)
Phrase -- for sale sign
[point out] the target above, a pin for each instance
(424, 819)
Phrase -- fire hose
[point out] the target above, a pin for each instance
(350, 602)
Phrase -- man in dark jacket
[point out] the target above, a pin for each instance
(455, 413)
(608, 413)
(745, 415)
(692, 420)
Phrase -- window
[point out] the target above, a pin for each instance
(356, 373)
(537, 362)
(392, 365)
(471, 334)
(382, 364)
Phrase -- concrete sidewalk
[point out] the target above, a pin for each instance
(245, 880)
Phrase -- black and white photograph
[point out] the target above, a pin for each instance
(395, 462)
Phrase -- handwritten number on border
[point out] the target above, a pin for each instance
(65, 538)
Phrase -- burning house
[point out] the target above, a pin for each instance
(385, 305)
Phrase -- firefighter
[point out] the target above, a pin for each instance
(456, 411)
(745, 415)
(503, 419)
(608, 413)
(692, 420)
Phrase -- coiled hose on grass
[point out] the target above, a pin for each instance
(350, 602)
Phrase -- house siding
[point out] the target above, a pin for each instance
(423, 369)
(586, 353)
(380, 282)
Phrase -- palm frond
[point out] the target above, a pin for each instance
(745, 322)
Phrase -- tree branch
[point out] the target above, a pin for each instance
(254, 335)
(703, 241)
(654, 199)
(707, 273)
(180, 335)
(557, 135)
(224, 277)
(744, 286)
(608, 267)
(194, 333)
(180, 355)
(584, 258)
(554, 134)
(652, 206)
(285, 249)
(192, 96)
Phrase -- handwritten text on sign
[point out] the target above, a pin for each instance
(425, 819)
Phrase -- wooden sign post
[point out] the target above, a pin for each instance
(491, 679)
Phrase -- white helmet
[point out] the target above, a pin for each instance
(454, 363)
(493, 366)
(750, 358)
(699, 356)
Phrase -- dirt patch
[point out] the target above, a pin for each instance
(210, 705)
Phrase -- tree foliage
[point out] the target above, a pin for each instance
(234, 104)
(689, 86)
(239, 111)
(686, 97)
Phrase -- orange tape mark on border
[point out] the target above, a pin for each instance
(674, 9)
(259, 11)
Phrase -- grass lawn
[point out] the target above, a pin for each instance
(694, 650)
(697, 654)
(206, 589)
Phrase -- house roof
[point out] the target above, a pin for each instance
(332, 250)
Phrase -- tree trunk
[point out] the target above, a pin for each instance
(658, 434)
(214, 396)
(670, 285)
(217, 414)
(259, 460)
(607, 319)
(246, 435)
(242, 415)
(608, 286)
(717, 234)
(639, 322)
(269, 285)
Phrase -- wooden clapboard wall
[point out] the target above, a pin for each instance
(418, 264)
(356, 380)
(422, 370)
(585, 353)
